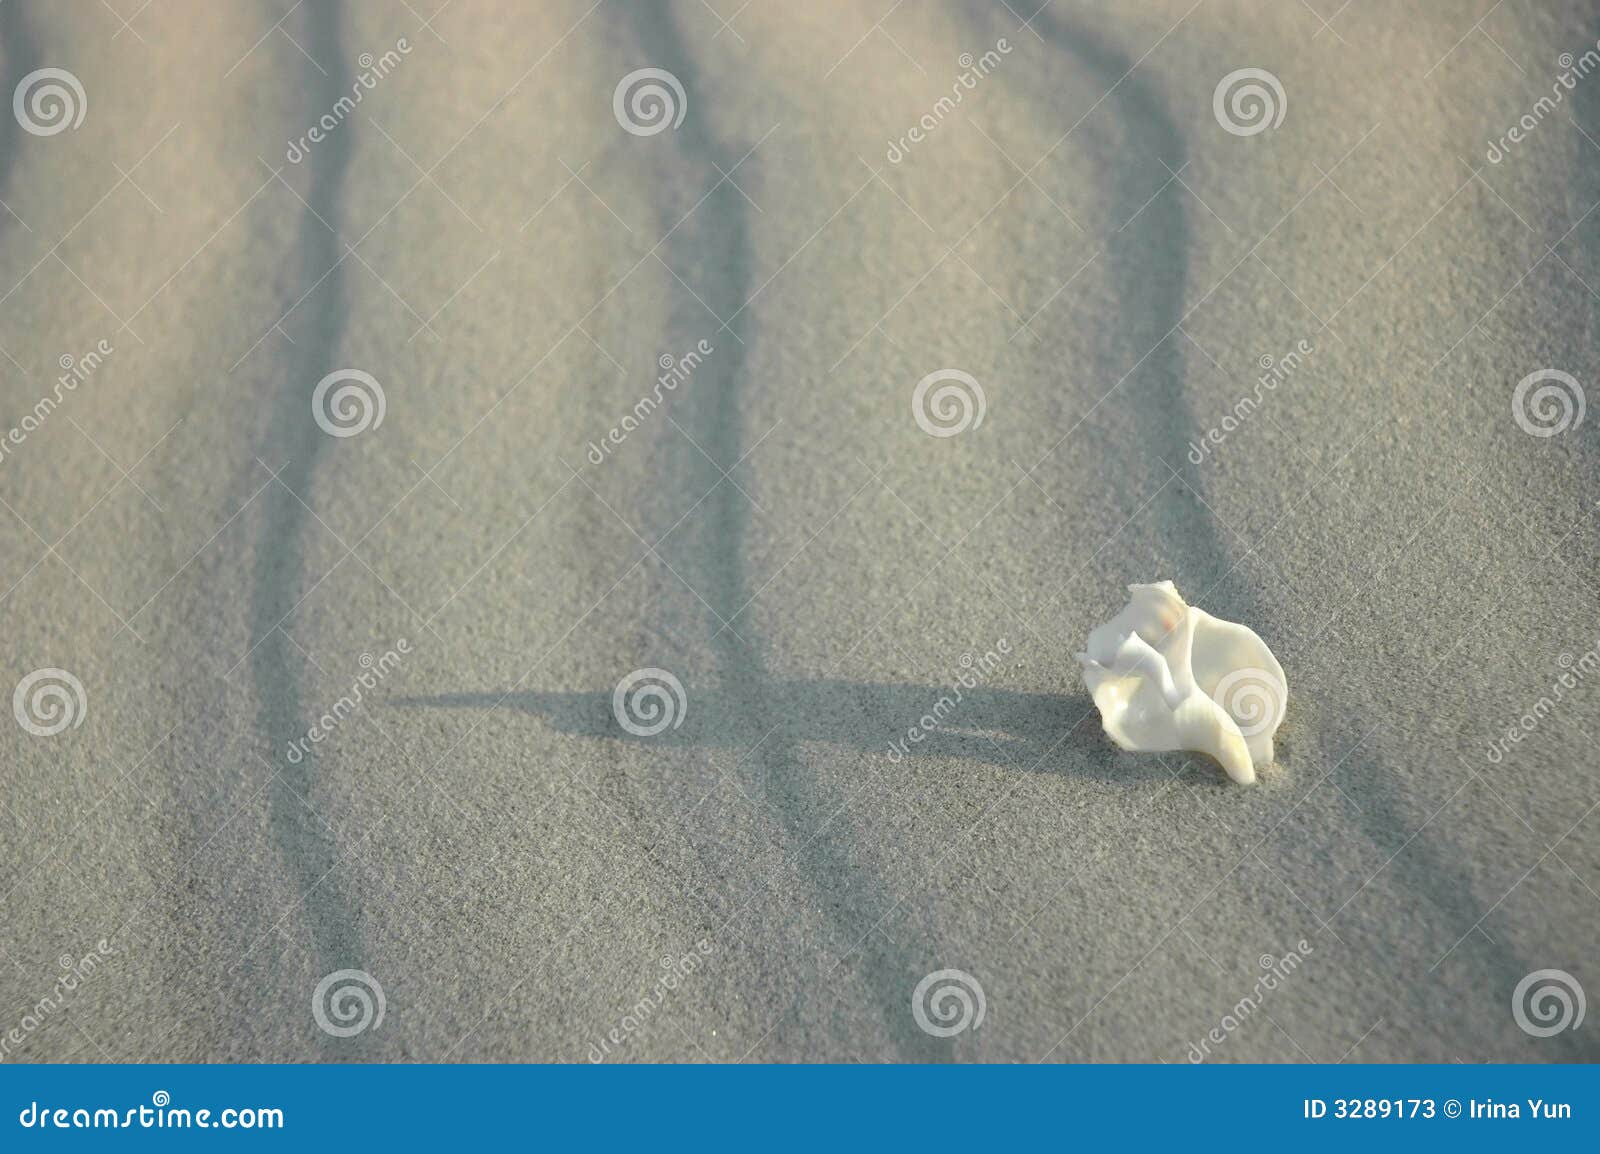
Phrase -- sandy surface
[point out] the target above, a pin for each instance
(482, 838)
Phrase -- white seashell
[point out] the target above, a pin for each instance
(1167, 676)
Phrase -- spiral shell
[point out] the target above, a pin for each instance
(1168, 676)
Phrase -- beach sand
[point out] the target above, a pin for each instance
(1080, 234)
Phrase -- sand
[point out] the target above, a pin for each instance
(771, 879)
